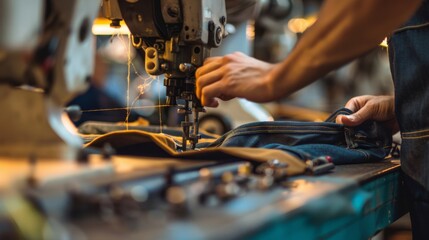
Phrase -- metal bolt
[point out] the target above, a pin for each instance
(164, 66)
(222, 20)
(218, 35)
(173, 11)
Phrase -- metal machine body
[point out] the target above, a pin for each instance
(39, 78)
(177, 36)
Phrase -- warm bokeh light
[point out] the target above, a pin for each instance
(299, 25)
(250, 31)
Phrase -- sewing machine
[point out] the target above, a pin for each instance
(47, 62)
(176, 37)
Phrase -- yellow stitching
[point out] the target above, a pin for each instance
(411, 27)
(419, 131)
(283, 131)
(416, 137)
(291, 126)
(277, 127)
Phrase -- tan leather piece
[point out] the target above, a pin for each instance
(167, 144)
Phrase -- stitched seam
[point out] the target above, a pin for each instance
(411, 27)
(290, 131)
(284, 131)
(413, 132)
(277, 127)
(280, 130)
(415, 137)
(363, 152)
(235, 134)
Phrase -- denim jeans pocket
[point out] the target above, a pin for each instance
(415, 154)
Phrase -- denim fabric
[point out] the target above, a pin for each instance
(370, 141)
(409, 58)
(418, 202)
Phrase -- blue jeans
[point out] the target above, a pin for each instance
(368, 142)
(409, 59)
(418, 203)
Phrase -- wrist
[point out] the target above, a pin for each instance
(273, 81)
(294, 73)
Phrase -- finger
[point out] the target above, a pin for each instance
(339, 119)
(356, 103)
(208, 67)
(356, 118)
(211, 59)
(210, 93)
(225, 98)
(206, 80)
(213, 103)
(347, 120)
(352, 104)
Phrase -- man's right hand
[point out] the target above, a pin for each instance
(378, 108)
(234, 75)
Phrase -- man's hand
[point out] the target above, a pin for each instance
(334, 39)
(234, 75)
(378, 108)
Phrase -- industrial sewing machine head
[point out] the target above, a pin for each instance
(177, 36)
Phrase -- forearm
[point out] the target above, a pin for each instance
(345, 30)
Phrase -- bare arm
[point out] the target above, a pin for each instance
(345, 30)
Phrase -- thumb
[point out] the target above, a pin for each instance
(347, 120)
(354, 119)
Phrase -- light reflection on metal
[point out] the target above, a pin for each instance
(384, 43)
(101, 26)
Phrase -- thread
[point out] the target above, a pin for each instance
(159, 109)
(146, 84)
(128, 82)
(124, 108)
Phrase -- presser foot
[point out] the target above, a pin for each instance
(190, 129)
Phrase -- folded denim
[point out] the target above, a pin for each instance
(370, 141)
